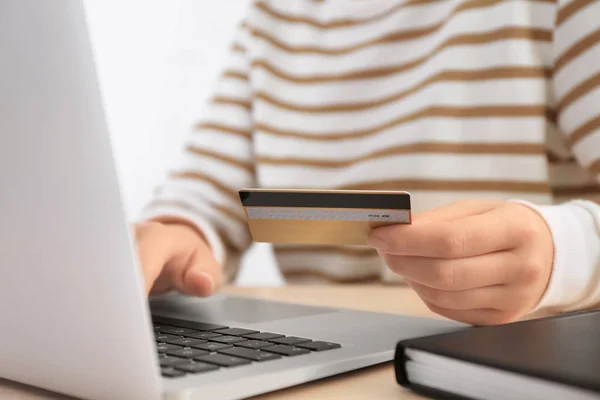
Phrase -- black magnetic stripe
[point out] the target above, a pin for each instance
(400, 201)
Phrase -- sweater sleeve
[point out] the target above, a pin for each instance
(217, 161)
(575, 225)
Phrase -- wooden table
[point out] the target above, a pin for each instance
(372, 383)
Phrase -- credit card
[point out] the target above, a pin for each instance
(330, 217)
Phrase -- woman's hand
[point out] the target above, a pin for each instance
(479, 262)
(175, 256)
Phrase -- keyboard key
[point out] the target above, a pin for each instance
(319, 346)
(236, 331)
(164, 347)
(171, 373)
(287, 350)
(222, 360)
(203, 335)
(290, 340)
(173, 330)
(200, 326)
(163, 337)
(187, 353)
(254, 344)
(228, 339)
(170, 361)
(187, 342)
(196, 367)
(211, 346)
(157, 327)
(262, 336)
(254, 355)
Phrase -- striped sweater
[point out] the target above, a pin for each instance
(448, 99)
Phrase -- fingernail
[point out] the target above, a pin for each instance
(377, 242)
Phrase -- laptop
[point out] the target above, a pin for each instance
(74, 315)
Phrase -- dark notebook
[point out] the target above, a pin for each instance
(548, 358)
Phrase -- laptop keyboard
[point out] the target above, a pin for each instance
(187, 347)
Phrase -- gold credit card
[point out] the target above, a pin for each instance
(333, 217)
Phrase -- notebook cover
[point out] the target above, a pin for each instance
(564, 349)
(402, 379)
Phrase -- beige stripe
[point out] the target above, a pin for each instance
(235, 75)
(224, 129)
(577, 191)
(594, 197)
(577, 49)
(593, 82)
(344, 23)
(429, 112)
(459, 40)
(424, 147)
(554, 158)
(232, 101)
(198, 176)
(570, 9)
(363, 252)
(544, 35)
(340, 23)
(551, 115)
(331, 278)
(238, 48)
(181, 204)
(248, 167)
(451, 185)
(586, 129)
(595, 167)
(230, 247)
(446, 76)
(231, 213)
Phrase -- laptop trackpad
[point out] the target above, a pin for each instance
(221, 309)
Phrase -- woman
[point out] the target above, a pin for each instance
(485, 110)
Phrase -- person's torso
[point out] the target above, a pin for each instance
(448, 100)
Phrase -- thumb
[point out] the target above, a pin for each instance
(153, 252)
(195, 272)
(176, 257)
(429, 222)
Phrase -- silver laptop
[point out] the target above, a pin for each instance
(73, 313)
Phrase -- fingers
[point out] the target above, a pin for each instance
(458, 209)
(483, 306)
(175, 257)
(464, 237)
(460, 274)
(153, 254)
(481, 317)
(477, 262)
(490, 297)
(191, 266)
(194, 273)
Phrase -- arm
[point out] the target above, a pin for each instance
(217, 160)
(575, 225)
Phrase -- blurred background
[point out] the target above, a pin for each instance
(158, 61)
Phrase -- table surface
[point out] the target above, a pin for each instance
(374, 382)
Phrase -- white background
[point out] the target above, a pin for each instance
(157, 61)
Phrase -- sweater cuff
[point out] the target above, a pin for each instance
(573, 282)
(210, 234)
